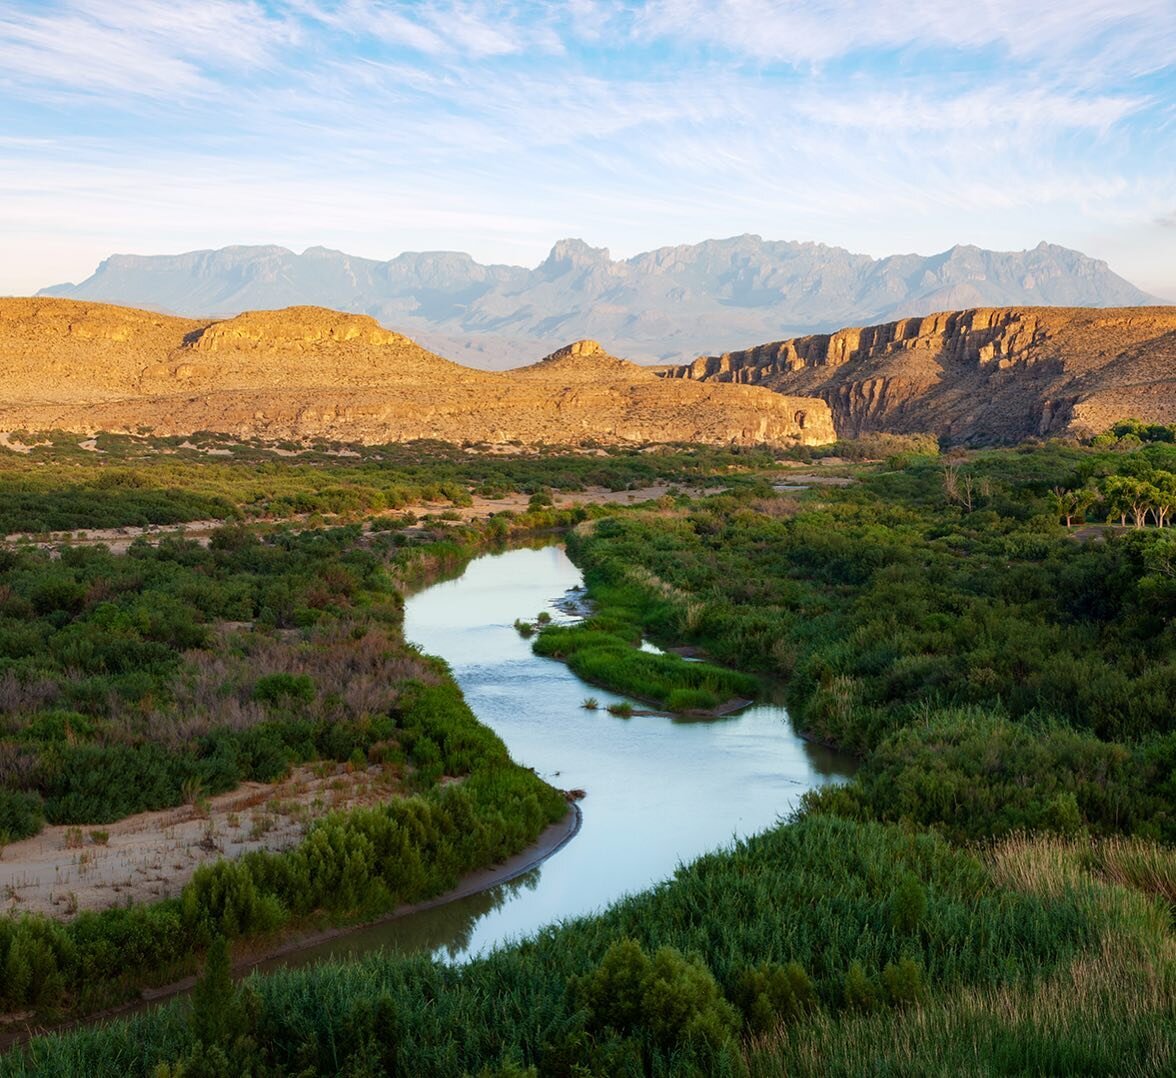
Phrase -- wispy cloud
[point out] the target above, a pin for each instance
(138, 47)
(374, 125)
(473, 29)
(1140, 32)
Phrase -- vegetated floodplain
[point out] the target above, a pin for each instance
(175, 672)
(1005, 678)
(747, 959)
(137, 482)
(994, 672)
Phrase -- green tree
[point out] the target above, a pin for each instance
(1163, 496)
(223, 1014)
(1125, 496)
(1072, 503)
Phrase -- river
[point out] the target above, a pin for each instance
(660, 791)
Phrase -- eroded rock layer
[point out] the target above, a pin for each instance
(308, 372)
(980, 375)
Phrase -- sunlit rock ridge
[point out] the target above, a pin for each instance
(308, 372)
(666, 305)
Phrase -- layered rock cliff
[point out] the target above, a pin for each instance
(308, 372)
(979, 375)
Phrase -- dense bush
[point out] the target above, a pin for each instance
(975, 775)
(20, 815)
(104, 658)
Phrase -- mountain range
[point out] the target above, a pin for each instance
(975, 376)
(663, 306)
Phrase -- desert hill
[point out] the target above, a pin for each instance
(659, 306)
(979, 375)
(309, 372)
(585, 361)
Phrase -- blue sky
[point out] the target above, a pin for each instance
(496, 128)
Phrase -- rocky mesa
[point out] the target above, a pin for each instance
(310, 372)
(974, 376)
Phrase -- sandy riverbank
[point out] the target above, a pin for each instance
(552, 839)
(151, 855)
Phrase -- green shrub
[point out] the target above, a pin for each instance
(20, 814)
(908, 904)
(284, 688)
(768, 994)
(903, 982)
(860, 992)
(669, 997)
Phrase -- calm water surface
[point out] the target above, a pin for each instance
(660, 792)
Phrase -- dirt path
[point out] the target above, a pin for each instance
(1086, 533)
(804, 482)
(118, 540)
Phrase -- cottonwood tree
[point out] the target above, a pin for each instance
(1072, 503)
(1163, 496)
(1125, 497)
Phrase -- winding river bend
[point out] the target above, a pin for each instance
(659, 792)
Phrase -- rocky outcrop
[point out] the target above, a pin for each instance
(979, 375)
(582, 380)
(309, 372)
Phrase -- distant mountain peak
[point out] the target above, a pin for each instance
(574, 253)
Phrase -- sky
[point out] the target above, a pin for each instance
(882, 126)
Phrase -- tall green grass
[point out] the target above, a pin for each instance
(828, 895)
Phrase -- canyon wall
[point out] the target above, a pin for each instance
(979, 375)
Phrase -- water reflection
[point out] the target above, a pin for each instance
(660, 791)
(444, 932)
